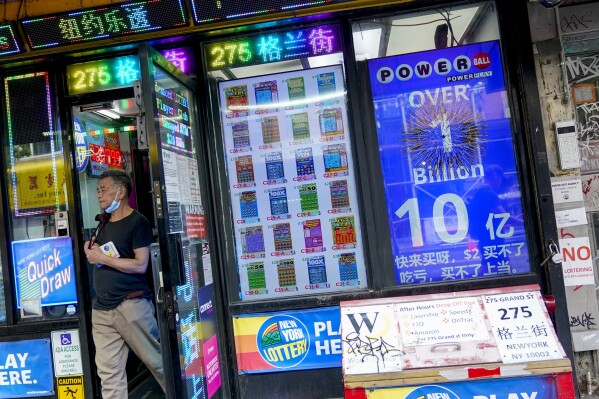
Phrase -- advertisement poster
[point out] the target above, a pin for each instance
(542, 387)
(39, 186)
(44, 271)
(293, 192)
(26, 369)
(288, 341)
(209, 340)
(449, 171)
(522, 328)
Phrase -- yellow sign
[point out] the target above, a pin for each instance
(39, 186)
(70, 387)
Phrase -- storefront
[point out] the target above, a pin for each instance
(336, 152)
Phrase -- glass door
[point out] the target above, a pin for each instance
(181, 259)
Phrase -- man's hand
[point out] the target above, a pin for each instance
(94, 255)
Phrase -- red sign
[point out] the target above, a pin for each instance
(196, 225)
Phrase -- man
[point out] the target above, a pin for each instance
(122, 312)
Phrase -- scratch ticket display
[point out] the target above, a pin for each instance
(335, 160)
(296, 90)
(326, 87)
(344, 233)
(286, 274)
(252, 242)
(291, 175)
(244, 166)
(339, 196)
(241, 135)
(270, 130)
(266, 95)
(317, 271)
(304, 164)
(300, 126)
(249, 207)
(237, 101)
(331, 122)
(275, 170)
(313, 236)
(282, 239)
(309, 199)
(256, 277)
(348, 269)
(278, 203)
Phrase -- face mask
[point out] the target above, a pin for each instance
(114, 205)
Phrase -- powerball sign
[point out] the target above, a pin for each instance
(449, 171)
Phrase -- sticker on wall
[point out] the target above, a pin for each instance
(66, 351)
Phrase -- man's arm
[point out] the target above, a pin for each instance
(137, 265)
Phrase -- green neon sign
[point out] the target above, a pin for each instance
(102, 74)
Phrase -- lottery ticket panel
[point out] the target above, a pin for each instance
(291, 179)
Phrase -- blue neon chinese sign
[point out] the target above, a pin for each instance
(449, 170)
(206, 11)
(8, 40)
(274, 47)
(104, 22)
(104, 74)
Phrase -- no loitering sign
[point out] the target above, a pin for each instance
(577, 263)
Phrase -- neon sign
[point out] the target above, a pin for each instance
(206, 11)
(182, 58)
(103, 74)
(104, 22)
(8, 40)
(274, 47)
(107, 156)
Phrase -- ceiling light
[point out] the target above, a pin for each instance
(108, 113)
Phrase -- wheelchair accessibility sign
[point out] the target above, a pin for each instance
(70, 387)
(66, 352)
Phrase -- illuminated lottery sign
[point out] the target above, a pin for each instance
(103, 74)
(104, 22)
(274, 47)
(206, 11)
(8, 40)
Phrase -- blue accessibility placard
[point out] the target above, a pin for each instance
(449, 171)
(26, 369)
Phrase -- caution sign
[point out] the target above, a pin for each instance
(70, 387)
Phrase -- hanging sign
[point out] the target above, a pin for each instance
(274, 47)
(108, 21)
(25, 369)
(449, 170)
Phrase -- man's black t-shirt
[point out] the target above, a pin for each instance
(111, 285)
